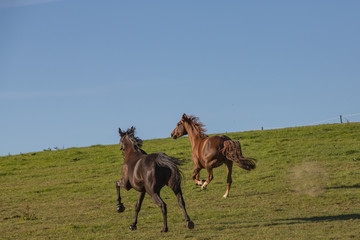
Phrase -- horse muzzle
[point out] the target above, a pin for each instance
(173, 135)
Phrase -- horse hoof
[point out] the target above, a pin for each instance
(164, 230)
(132, 227)
(190, 224)
(200, 182)
(120, 208)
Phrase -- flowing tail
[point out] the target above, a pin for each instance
(171, 163)
(232, 151)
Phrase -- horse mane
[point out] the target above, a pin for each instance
(197, 125)
(135, 141)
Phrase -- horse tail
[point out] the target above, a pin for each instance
(232, 151)
(171, 163)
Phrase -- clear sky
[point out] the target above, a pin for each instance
(73, 71)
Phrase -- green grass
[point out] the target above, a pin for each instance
(306, 186)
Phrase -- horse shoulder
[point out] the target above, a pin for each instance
(140, 167)
(124, 182)
(197, 157)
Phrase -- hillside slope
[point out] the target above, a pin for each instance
(306, 185)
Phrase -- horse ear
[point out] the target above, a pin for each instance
(132, 130)
(184, 116)
(121, 133)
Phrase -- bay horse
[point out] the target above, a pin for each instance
(211, 152)
(148, 173)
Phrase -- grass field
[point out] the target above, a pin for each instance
(306, 186)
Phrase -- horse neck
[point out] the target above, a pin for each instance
(194, 135)
(130, 153)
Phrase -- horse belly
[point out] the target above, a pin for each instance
(208, 151)
(216, 163)
(211, 154)
(139, 187)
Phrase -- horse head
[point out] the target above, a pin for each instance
(180, 129)
(128, 139)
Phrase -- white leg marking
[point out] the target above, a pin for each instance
(204, 186)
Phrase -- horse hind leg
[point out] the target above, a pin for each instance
(229, 166)
(137, 210)
(189, 223)
(158, 201)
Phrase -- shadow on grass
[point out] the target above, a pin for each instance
(325, 218)
(345, 187)
(316, 219)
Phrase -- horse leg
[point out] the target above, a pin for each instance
(195, 176)
(189, 223)
(137, 210)
(120, 205)
(211, 177)
(158, 201)
(229, 165)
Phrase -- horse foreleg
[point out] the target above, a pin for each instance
(158, 201)
(196, 175)
(229, 166)
(137, 210)
(181, 201)
(210, 177)
(120, 205)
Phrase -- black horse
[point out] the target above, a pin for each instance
(148, 173)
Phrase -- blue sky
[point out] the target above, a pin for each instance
(72, 72)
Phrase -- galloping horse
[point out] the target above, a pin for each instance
(211, 152)
(148, 173)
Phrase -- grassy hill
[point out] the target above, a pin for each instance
(306, 186)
